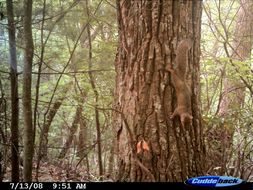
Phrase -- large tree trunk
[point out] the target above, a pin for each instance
(27, 83)
(151, 147)
(14, 94)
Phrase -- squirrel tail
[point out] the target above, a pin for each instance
(182, 56)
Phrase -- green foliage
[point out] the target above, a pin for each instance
(64, 63)
(226, 110)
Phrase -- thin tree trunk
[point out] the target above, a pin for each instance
(1, 168)
(72, 132)
(46, 126)
(43, 144)
(93, 85)
(3, 133)
(83, 142)
(110, 171)
(27, 83)
(14, 94)
(45, 129)
(39, 70)
(82, 138)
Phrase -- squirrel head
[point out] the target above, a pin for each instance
(184, 44)
(186, 118)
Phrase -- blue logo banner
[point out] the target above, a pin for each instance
(214, 181)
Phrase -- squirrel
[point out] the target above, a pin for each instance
(183, 92)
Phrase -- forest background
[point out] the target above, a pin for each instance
(57, 107)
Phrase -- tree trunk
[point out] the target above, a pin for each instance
(83, 142)
(93, 85)
(27, 83)
(72, 132)
(151, 146)
(43, 141)
(110, 171)
(82, 138)
(14, 94)
(3, 133)
(46, 126)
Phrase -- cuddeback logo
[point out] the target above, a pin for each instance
(214, 181)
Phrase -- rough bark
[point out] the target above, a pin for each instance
(27, 83)
(149, 32)
(14, 94)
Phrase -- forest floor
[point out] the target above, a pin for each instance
(50, 173)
